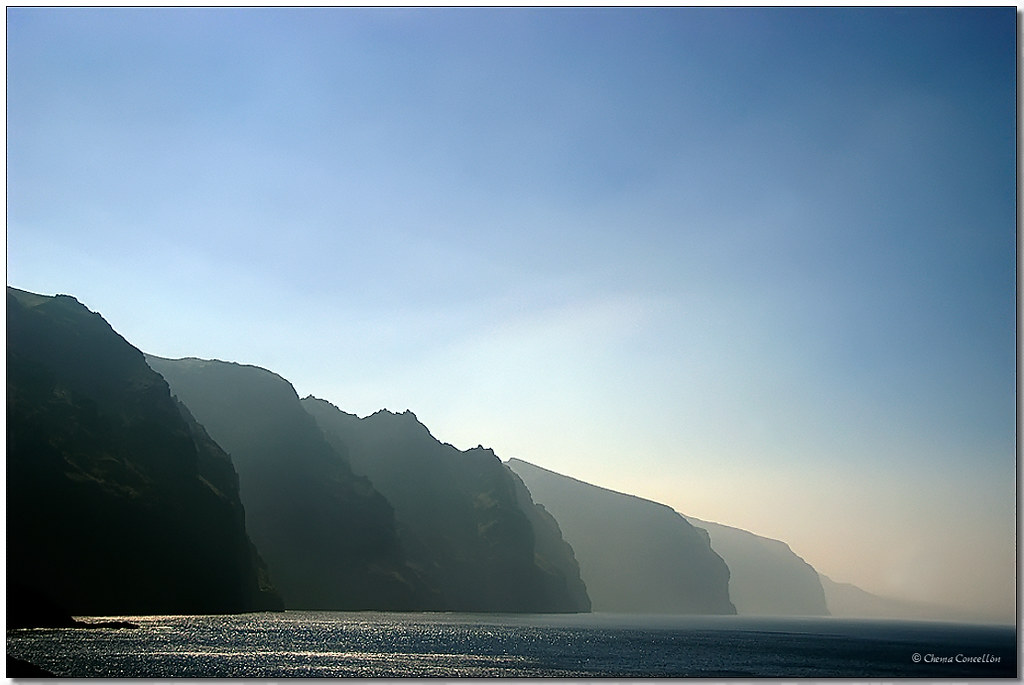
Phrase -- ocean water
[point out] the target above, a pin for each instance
(362, 644)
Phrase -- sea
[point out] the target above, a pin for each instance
(452, 645)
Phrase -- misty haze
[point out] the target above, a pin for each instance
(494, 342)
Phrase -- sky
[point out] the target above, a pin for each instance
(758, 264)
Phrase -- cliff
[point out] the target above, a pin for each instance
(328, 536)
(465, 521)
(117, 501)
(635, 555)
(768, 578)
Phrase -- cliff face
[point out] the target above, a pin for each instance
(768, 578)
(553, 554)
(464, 523)
(117, 501)
(328, 535)
(635, 555)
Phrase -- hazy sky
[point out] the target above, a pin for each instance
(756, 264)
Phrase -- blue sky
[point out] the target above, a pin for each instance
(758, 264)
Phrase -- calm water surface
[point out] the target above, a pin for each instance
(332, 644)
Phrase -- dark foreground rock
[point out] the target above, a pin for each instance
(18, 669)
(118, 502)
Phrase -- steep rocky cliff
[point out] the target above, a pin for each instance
(635, 555)
(768, 578)
(464, 519)
(328, 535)
(117, 501)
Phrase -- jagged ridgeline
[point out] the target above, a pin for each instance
(428, 527)
(467, 523)
(328, 535)
(118, 502)
(636, 556)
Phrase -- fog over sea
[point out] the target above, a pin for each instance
(355, 644)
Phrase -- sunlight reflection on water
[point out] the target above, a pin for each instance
(325, 644)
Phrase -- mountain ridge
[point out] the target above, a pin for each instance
(327, 534)
(459, 513)
(90, 430)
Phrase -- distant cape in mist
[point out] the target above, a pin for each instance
(849, 601)
(766, 578)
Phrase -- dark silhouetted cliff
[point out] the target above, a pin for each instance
(635, 555)
(328, 535)
(552, 553)
(465, 520)
(117, 501)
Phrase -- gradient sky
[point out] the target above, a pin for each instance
(757, 264)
